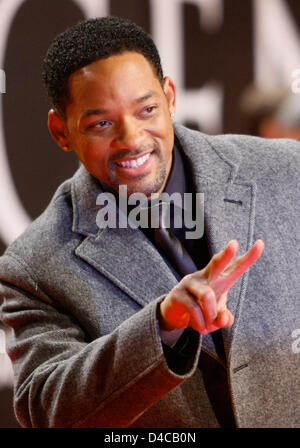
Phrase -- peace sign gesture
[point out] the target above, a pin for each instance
(199, 299)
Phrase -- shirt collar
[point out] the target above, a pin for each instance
(177, 181)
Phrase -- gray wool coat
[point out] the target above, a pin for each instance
(82, 301)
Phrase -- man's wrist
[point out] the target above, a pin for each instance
(170, 337)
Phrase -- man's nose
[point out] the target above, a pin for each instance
(130, 135)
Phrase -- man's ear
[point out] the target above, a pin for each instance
(170, 92)
(58, 130)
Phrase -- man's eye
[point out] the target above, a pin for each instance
(148, 111)
(102, 124)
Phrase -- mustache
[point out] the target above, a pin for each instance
(123, 153)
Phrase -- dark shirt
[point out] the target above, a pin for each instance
(214, 372)
(180, 182)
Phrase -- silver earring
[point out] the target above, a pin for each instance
(172, 115)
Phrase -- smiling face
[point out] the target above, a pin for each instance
(118, 123)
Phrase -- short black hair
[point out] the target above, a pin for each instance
(87, 42)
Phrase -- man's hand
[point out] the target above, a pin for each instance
(199, 299)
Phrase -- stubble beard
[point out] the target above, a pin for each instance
(140, 184)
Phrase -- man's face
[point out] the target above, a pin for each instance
(118, 123)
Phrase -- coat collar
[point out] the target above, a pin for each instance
(104, 248)
(85, 190)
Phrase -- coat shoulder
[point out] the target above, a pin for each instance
(47, 233)
(259, 158)
(255, 156)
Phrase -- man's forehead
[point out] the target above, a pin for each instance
(130, 60)
(100, 85)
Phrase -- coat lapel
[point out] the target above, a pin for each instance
(229, 206)
(130, 261)
(123, 255)
(229, 214)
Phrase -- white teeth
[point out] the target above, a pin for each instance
(135, 163)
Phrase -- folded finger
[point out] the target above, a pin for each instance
(224, 319)
(205, 297)
(180, 310)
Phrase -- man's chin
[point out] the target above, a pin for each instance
(142, 185)
(147, 190)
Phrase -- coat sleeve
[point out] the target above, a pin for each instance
(65, 378)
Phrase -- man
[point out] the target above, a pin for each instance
(108, 331)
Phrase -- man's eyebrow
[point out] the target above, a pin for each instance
(145, 97)
(99, 111)
(89, 112)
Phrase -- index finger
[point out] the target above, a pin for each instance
(231, 274)
(221, 260)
